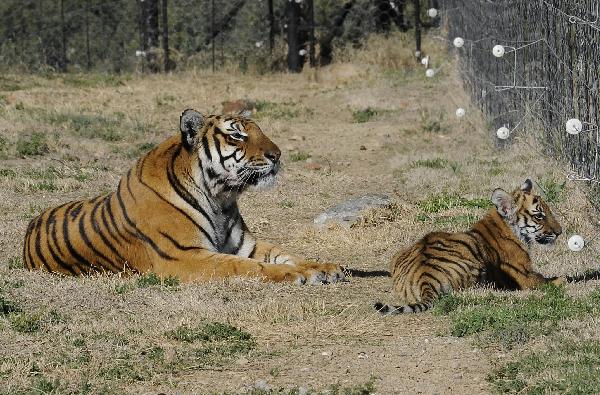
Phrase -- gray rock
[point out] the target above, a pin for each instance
(348, 212)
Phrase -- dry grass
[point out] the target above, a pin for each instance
(115, 335)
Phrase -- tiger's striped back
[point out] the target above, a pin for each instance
(495, 250)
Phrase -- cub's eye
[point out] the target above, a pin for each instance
(539, 216)
(238, 136)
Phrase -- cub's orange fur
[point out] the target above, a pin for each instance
(175, 213)
(496, 250)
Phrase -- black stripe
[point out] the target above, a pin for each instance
(89, 244)
(138, 233)
(109, 210)
(206, 147)
(184, 193)
(38, 249)
(72, 250)
(52, 221)
(105, 221)
(107, 242)
(177, 245)
(204, 232)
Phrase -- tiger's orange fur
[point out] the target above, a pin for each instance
(175, 213)
(495, 250)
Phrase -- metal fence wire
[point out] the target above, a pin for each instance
(547, 75)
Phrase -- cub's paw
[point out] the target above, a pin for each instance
(331, 272)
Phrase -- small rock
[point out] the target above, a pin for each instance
(261, 384)
(325, 353)
(302, 391)
(347, 213)
(297, 138)
(363, 148)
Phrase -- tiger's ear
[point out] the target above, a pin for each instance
(504, 202)
(245, 113)
(190, 123)
(527, 186)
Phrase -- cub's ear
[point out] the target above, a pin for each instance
(504, 203)
(245, 114)
(527, 186)
(190, 123)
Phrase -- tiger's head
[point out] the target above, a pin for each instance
(233, 152)
(528, 214)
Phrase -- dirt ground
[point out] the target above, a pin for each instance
(411, 149)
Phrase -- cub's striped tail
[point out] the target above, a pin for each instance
(408, 308)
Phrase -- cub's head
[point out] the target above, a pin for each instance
(527, 214)
(233, 152)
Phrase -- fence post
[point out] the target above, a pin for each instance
(165, 35)
(417, 6)
(293, 30)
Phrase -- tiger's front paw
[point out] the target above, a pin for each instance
(329, 272)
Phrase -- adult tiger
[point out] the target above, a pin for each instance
(495, 250)
(175, 213)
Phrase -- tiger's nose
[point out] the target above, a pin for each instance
(273, 155)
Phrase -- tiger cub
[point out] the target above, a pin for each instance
(494, 250)
(175, 213)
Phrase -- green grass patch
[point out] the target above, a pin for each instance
(33, 145)
(139, 150)
(432, 123)
(4, 146)
(444, 201)
(90, 126)
(364, 115)
(511, 320)
(148, 280)
(437, 163)
(553, 190)
(207, 332)
(15, 263)
(267, 109)
(299, 156)
(567, 367)
(8, 173)
(456, 220)
(209, 344)
(45, 185)
(7, 306)
(25, 322)
(151, 279)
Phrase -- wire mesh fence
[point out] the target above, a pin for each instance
(157, 35)
(543, 73)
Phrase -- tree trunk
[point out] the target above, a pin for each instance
(165, 35)
(417, 5)
(152, 35)
(293, 37)
(310, 22)
(271, 26)
(63, 39)
(326, 40)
